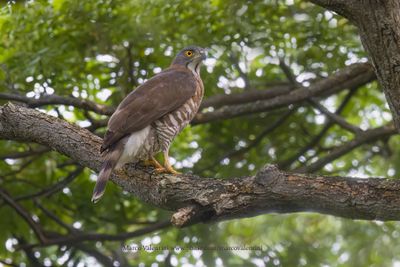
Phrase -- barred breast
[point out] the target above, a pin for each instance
(173, 123)
(163, 131)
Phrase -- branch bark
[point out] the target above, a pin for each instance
(343, 7)
(207, 199)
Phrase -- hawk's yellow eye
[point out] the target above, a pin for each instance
(189, 53)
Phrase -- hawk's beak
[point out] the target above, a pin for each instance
(203, 54)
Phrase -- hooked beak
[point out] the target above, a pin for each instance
(203, 53)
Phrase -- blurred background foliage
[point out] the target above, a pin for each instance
(100, 50)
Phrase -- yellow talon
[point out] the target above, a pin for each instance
(158, 168)
(153, 163)
(171, 170)
(167, 164)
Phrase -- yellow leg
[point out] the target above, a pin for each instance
(167, 164)
(153, 162)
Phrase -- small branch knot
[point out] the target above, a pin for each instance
(268, 175)
(184, 216)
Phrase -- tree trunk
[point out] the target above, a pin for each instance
(378, 22)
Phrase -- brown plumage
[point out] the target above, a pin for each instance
(147, 120)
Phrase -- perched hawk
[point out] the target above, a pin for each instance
(147, 120)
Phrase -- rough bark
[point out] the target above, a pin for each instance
(378, 22)
(206, 199)
(342, 7)
(380, 35)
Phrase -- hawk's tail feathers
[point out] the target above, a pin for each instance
(110, 161)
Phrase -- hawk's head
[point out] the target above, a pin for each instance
(191, 57)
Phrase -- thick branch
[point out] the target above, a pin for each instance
(271, 190)
(342, 7)
(217, 101)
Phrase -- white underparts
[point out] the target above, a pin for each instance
(194, 66)
(133, 146)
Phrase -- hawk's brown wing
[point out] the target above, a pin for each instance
(155, 98)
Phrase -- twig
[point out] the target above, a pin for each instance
(24, 154)
(286, 163)
(59, 100)
(25, 215)
(54, 188)
(235, 62)
(336, 118)
(366, 137)
(83, 237)
(267, 130)
(55, 218)
(100, 257)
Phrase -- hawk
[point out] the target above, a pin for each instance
(148, 119)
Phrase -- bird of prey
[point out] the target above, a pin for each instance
(147, 120)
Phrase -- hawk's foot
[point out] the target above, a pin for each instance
(166, 170)
(171, 170)
(167, 164)
(160, 170)
(119, 172)
(153, 163)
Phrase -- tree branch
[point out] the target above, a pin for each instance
(267, 130)
(8, 262)
(228, 106)
(217, 101)
(335, 118)
(26, 216)
(343, 7)
(79, 237)
(271, 190)
(34, 261)
(314, 141)
(59, 100)
(362, 138)
(100, 257)
(54, 188)
(24, 154)
(332, 116)
(75, 236)
(352, 76)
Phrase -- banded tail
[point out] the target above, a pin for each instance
(110, 161)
